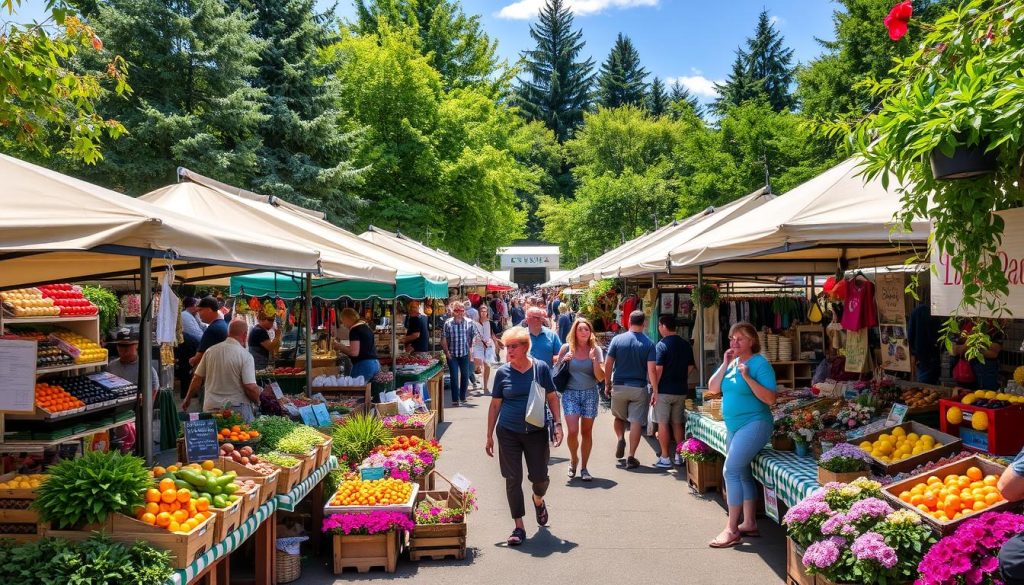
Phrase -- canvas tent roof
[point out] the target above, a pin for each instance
(460, 273)
(58, 227)
(290, 286)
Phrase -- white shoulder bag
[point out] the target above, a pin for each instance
(535, 405)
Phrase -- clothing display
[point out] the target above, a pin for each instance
(859, 307)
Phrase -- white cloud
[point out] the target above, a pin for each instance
(697, 84)
(527, 9)
(777, 20)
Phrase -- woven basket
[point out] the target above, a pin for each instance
(289, 567)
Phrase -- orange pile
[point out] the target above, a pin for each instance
(236, 434)
(379, 492)
(955, 496)
(53, 398)
(173, 509)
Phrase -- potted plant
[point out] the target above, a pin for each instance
(842, 463)
(83, 493)
(781, 441)
(703, 464)
(364, 540)
(969, 555)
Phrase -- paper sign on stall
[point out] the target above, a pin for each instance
(323, 417)
(17, 375)
(896, 415)
(308, 416)
(771, 503)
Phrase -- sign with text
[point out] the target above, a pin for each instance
(896, 415)
(201, 439)
(323, 417)
(308, 416)
(890, 297)
(18, 375)
(947, 282)
(771, 503)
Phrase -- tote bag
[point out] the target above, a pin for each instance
(536, 403)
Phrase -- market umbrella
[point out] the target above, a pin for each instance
(168, 419)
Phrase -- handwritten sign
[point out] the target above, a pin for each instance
(890, 297)
(771, 503)
(308, 416)
(17, 375)
(323, 418)
(201, 439)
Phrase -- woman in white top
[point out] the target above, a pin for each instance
(485, 344)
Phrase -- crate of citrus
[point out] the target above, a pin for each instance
(357, 495)
(948, 495)
(906, 446)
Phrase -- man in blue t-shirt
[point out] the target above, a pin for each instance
(216, 327)
(627, 369)
(544, 343)
(417, 333)
(673, 363)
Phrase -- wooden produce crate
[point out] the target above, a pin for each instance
(250, 501)
(405, 507)
(363, 391)
(268, 483)
(1005, 432)
(184, 548)
(17, 520)
(704, 475)
(289, 478)
(796, 574)
(324, 451)
(892, 492)
(439, 541)
(308, 462)
(950, 445)
(941, 391)
(826, 476)
(228, 519)
(428, 431)
(426, 482)
(362, 553)
(82, 532)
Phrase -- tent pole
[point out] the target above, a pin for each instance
(394, 334)
(309, 333)
(700, 334)
(146, 357)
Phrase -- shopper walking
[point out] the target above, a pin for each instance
(565, 321)
(485, 343)
(518, 439)
(579, 401)
(192, 333)
(746, 383)
(673, 364)
(628, 369)
(362, 346)
(544, 343)
(516, 314)
(456, 340)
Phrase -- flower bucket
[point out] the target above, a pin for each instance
(704, 475)
(363, 552)
(802, 449)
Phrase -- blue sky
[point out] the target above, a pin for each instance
(693, 41)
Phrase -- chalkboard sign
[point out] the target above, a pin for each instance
(201, 440)
(323, 418)
(308, 416)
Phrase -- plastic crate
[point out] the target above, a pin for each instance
(1005, 434)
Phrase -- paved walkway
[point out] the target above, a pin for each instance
(642, 526)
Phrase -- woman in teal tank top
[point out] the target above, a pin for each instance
(746, 383)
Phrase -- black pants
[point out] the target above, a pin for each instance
(183, 371)
(512, 447)
(1011, 561)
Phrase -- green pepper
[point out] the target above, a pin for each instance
(220, 502)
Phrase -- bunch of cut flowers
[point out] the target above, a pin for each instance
(430, 512)
(365, 523)
(402, 464)
(406, 421)
(693, 449)
(806, 425)
(855, 415)
(851, 535)
(970, 554)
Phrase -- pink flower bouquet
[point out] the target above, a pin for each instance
(366, 523)
(969, 555)
(693, 449)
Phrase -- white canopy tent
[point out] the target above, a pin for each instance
(460, 273)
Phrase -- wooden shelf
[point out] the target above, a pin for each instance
(48, 319)
(19, 446)
(42, 416)
(54, 370)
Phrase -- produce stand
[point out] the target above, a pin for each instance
(433, 377)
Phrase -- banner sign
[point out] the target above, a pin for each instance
(947, 282)
(890, 298)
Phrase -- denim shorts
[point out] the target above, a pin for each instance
(580, 402)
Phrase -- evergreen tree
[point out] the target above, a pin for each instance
(621, 80)
(763, 69)
(308, 142)
(456, 44)
(657, 100)
(557, 90)
(192, 103)
(681, 100)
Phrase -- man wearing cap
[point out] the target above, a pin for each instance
(228, 371)
(126, 365)
(416, 332)
(263, 343)
(216, 327)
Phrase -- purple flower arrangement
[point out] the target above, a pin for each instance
(402, 421)
(693, 449)
(851, 535)
(968, 556)
(402, 464)
(845, 458)
(376, 522)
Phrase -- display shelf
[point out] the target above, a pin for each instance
(9, 319)
(57, 369)
(60, 416)
(19, 446)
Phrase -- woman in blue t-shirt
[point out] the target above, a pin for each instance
(746, 383)
(518, 439)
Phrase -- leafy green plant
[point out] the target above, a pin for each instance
(95, 561)
(88, 489)
(300, 440)
(272, 429)
(107, 303)
(357, 436)
(280, 459)
(591, 302)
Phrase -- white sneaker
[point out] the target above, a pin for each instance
(678, 459)
(664, 463)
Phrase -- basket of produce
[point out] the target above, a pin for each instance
(231, 429)
(905, 446)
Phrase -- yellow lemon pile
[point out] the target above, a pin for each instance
(23, 482)
(899, 445)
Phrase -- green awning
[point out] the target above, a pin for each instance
(291, 285)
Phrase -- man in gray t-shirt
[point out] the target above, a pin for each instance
(127, 363)
(628, 369)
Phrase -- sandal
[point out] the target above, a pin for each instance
(542, 513)
(751, 533)
(517, 537)
(728, 543)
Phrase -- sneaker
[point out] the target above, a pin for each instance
(678, 459)
(632, 463)
(664, 463)
(620, 449)
(585, 475)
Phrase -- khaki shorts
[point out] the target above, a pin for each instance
(670, 408)
(630, 403)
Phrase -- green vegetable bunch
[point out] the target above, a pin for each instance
(272, 429)
(96, 560)
(280, 459)
(300, 440)
(357, 436)
(88, 489)
(107, 303)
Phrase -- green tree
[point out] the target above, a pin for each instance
(682, 101)
(536, 148)
(193, 105)
(763, 69)
(657, 99)
(556, 90)
(47, 106)
(308, 142)
(621, 80)
(456, 44)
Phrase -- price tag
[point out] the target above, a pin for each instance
(771, 503)
(201, 439)
(276, 388)
(323, 418)
(896, 415)
(461, 482)
(308, 416)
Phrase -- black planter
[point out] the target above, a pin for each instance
(967, 162)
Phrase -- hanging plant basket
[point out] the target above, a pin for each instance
(967, 162)
(705, 296)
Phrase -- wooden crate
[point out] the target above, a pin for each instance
(329, 392)
(308, 462)
(892, 491)
(427, 432)
(703, 475)
(80, 533)
(426, 482)
(324, 451)
(405, 507)
(289, 478)
(362, 553)
(228, 519)
(826, 476)
(796, 574)
(184, 548)
(16, 512)
(268, 483)
(438, 542)
(950, 445)
(250, 501)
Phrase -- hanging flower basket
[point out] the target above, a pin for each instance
(966, 162)
(705, 296)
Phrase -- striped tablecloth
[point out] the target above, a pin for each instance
(791, 476)
(287, 502)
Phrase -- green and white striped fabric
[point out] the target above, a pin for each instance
(287, 502)
(791, 476)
